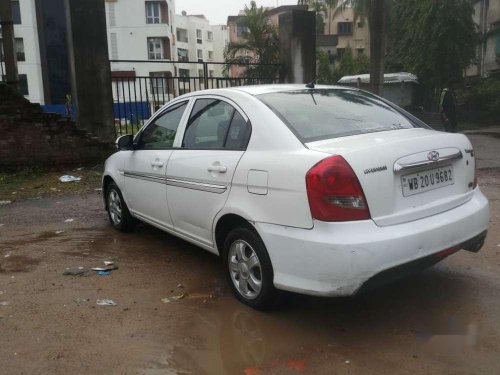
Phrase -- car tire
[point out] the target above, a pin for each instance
(249, 269)
(118, 212)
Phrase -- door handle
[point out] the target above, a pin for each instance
(157, 163)
(217, 168)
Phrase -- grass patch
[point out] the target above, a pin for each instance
(35, 182)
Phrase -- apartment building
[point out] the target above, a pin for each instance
(27, 50)
(343, 31)
(141, 30)
(198, 41)
(487, 18)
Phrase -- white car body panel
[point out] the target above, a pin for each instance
(266, 186)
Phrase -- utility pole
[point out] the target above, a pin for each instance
(8, 44)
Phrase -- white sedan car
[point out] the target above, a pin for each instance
(325, 191)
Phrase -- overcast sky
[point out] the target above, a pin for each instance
(217, 10)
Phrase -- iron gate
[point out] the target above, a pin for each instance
(140, 87)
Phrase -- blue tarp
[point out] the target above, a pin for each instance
(132, 111)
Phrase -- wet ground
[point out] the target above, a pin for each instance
(443, 321)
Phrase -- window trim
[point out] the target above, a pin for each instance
(158, 114)
(228, 101)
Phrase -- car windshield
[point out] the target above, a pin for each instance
(317, 114)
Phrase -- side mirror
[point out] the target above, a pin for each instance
(125, 142)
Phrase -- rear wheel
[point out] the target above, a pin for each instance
(118, 212)
(249, 269)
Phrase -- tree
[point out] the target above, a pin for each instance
(318, 7)
(258, 45)
(348, 65)
(436, 40)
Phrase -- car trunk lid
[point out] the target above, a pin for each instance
(407, 174)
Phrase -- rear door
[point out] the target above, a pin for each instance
(199, 174)
(145, 167)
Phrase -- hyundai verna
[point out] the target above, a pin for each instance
(325, 191)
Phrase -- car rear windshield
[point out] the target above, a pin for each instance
(317, 114)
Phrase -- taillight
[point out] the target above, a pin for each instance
(334, 192)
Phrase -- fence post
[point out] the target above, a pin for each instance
(205, 74)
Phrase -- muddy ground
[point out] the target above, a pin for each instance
(443, 321)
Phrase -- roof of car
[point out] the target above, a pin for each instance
(261, 89)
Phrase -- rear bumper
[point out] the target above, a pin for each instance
(338, 259)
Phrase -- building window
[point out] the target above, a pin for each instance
(345, 28)
(114, 46)
(241, 29)
(211, 73)
(200, 73)
(182, 54)
(19, 48)
(210, 36)
(23, 84)
(200, 54)
(360, 51)
(210, 55)
(156, 12)
(182, 35)
(198, 36)
(158, 48)
(184, 73)
(16, 13)
(160, 82)
(111, 14)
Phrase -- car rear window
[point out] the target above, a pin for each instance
(316, 114)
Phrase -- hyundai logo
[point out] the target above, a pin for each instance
(433, 155)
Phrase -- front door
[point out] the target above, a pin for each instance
(145, 168)
(199, 174)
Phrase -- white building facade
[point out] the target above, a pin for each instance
(27, 50)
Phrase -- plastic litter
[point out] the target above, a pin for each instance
(4, 303)
(69, 220)
(69, 178)
(111, 267)
(58, 231)
(4, 203)
(106, 302)
(103, 273)
(173, 298)
(78, 272)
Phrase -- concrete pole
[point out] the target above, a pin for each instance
(297, 32)
(8, 44)
(89, 66)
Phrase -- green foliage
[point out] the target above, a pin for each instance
(436, 40)
(484, 97)
(259, 45)
(348, 65)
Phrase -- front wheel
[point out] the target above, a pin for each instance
(118, 212)
(249, 269)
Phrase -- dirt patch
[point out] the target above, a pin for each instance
(17, 263)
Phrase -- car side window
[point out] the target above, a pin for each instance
(160, 134)
(208, 124)
(238, 134)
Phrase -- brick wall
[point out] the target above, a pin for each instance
(30, 137)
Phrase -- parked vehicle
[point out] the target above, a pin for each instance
(325, 191)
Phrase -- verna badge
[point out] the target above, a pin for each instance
(433, 155)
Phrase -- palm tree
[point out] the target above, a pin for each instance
(376, 12)
(258, 45)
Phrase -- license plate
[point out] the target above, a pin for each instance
(423, 181)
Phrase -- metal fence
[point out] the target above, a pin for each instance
(140, 87)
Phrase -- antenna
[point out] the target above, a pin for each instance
(310, 85)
